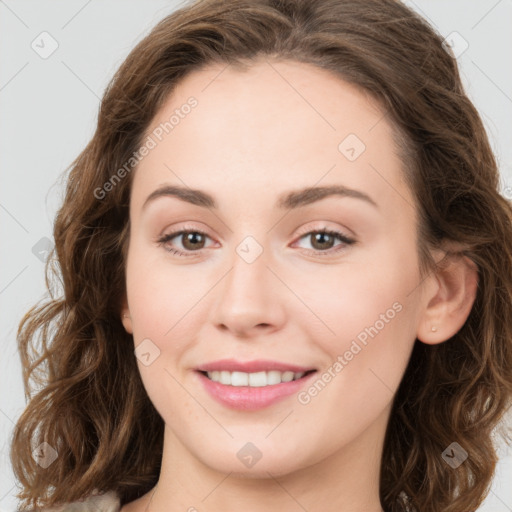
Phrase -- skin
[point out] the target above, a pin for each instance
(253, 136)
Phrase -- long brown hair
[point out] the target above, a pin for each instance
(87, 400)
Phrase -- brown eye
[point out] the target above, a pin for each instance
(191, 241)
(323, 241)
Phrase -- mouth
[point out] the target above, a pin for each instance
(245, 391)
(255, 379)
(252, 385)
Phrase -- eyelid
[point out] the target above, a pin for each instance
(324, 226)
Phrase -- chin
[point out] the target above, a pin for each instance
(276, 464)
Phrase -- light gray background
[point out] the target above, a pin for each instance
(48, 113)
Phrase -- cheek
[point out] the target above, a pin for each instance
(373, 323)
(349, 300)
(366, 313)
(159, 293)
(159, 297)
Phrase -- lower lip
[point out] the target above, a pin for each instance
(249, 398)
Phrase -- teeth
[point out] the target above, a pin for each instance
(254, 380)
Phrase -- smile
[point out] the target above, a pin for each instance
(257, 379)
(252, 391)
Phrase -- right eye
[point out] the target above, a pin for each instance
(189, 238)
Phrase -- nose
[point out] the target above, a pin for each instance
(249, 299)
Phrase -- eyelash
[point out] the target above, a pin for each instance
(337, 234)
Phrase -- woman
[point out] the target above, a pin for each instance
(287, 276)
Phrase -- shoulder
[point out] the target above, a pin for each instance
(95, 502)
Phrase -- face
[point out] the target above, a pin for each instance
(265, 271)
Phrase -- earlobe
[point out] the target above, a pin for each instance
(450, 304)
(126, 319)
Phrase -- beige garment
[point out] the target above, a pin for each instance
(95, 502)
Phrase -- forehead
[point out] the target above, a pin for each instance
(266, 127)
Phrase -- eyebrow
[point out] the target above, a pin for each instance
(288, 201)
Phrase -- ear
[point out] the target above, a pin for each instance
(451, 292)
(126, 318)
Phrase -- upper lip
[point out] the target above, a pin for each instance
(258, 365)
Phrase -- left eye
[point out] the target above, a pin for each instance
(323, 240)
(193, 241)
